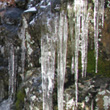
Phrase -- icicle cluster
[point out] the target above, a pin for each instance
(80, 44)
(81, 39)
(48, 44)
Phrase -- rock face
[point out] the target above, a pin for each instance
(20, 56)
(10, 21)
(103, 100)
(93, 93)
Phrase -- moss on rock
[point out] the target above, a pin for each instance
(20, 99)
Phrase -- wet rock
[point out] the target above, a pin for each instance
(12, 16)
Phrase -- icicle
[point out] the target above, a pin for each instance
(76, 59)
(22, 35)
(12, 75)
(23, 55)
(48, 65)
(101, 10)
(84, 37)
(61, 49)
(98, 11)
(96, 22)
(77, 34)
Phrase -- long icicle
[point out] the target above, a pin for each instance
(98, 12)
(76, 64)
(96, 32)
(77, 9)
(61, 63)
(12, 76)
(84, 37)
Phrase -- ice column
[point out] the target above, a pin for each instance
(47, 64)
(61, 57)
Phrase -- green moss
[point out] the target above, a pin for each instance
(20, 99)
(90, 62)
(103, 65)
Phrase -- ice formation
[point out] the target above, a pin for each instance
(12, 73)
(81, 39)
(61, 56)
(98, 12)
(80, 44)
(48, 48)
(48, 64)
